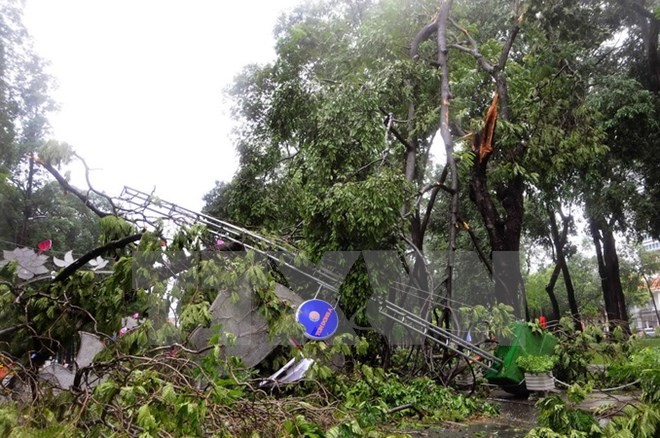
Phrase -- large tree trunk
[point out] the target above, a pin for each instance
(559, 243)
(413, 171)
(503, 221)
(503, 232)
(445, 96)
(608, 268)
(550, 290)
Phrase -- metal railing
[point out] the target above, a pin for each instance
(440, 336)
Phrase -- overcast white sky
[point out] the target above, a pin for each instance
(141, 82)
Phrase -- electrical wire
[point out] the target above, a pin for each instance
(615, 388)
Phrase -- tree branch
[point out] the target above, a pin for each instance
(68, 187)
(115, 244)
(11, 329)
(506, 49)
(89, 183)
(475, 242)
(423, 35)
(432, 186)
(439, 184)
(419, 413)
(396, 133)
(429, 208)
(474, 50)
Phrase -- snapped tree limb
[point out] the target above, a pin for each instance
(115, 244)
(69, 188)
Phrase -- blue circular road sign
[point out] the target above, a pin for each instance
(319, 319)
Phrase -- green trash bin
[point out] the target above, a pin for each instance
(509, 376)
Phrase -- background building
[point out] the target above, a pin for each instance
(646, 317)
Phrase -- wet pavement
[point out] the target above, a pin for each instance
(517, 417)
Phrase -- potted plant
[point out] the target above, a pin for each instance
(538, 371)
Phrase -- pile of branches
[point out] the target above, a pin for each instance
(166, 391)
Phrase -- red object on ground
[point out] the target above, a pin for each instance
(542, 321)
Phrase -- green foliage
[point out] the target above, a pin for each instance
(194, 315)
(24, 89)
(373, 393)
(299, 426)
(629, 116)
(159, 393)
(586, 282)
(494, 322)
(8, 418)
(546, 432)
(645, 366)
(356, 215)
(114, 228)
(565, 419)
(641, 420)
(368, 395)
(34, 209)
(317, 164)
(15, 424)
(574, 351)
(536, 364)
(55, 153)
(315, 157)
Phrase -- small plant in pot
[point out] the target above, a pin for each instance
(538, 371)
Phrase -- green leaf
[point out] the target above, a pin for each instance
(146, 419)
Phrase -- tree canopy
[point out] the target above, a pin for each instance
(334, 136)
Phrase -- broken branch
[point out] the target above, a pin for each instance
(115, 244)
(69, 188)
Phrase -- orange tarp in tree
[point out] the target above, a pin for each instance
(485, 141)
